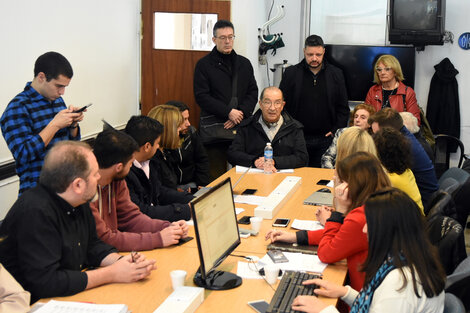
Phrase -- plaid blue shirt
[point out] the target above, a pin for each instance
(24, 118)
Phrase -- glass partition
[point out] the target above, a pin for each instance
(183, 31)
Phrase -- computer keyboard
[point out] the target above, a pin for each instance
(289, 288)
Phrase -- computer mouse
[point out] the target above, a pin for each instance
(325, 190)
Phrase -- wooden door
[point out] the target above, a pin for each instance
(168, 74)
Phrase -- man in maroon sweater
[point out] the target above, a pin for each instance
(119, 222)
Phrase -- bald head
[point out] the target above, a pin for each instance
(66, 161)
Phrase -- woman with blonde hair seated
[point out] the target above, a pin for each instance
(167, 155)
(355, 139)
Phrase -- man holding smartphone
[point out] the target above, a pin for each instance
(37, 118)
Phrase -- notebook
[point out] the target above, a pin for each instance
(320, 198)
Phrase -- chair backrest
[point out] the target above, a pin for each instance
(456, 173)
(441, 203)
(445, 145)
(448, 184)
(458, 283)
(453, 304)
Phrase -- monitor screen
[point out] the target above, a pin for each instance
(216, 228)
(357, 64)
(416, 15)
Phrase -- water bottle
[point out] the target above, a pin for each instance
(268, 159)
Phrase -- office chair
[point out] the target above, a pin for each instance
(456, 173)
(441, 203)
(445, 145)
(458, 283)
(453, 304)
(460, 193)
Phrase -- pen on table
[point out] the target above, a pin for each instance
(133, 254)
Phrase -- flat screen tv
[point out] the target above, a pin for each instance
(357, 64)
(417, 22)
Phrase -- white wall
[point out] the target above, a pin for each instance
(100, 39)
(248, 15)
(456, 22)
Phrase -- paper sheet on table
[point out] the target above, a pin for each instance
(298, 262)
(306, 225)
(239, 210)
(243, 169)
(54, 306)
(249, 199)
(248, 270)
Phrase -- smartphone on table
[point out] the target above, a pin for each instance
(259, 306)
(281, 222)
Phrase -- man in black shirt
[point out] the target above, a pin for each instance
(50, 233)
(315, 95)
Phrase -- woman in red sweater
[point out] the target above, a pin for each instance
(357, 176)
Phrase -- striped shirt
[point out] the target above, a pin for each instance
(22, 121)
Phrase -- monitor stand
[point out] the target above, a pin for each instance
(217, 280)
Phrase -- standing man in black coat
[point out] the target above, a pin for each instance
(315, 94)
(224, 101)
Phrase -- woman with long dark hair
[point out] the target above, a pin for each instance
(402, 269)
(358, 176)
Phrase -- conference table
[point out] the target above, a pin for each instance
(146, 295)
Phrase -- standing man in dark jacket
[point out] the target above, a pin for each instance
(269, 124)
(214, 91)
(315, 94)
(193, 167)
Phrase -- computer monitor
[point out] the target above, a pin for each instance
(216, 228)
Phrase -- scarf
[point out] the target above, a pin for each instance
(364, 298)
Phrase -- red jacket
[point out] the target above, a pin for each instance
(120, 223)
(374, 98)
(344, 241)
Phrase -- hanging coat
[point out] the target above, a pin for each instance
(443, 111)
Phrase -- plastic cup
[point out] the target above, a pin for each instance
(177, 278)
(256, 223)
(271, 272)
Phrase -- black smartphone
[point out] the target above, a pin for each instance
(259, 306)
(323, 182)
(82, 108)
(184, 240)
(281, 222)
(249, 191)
(244, 220)
(277, 256)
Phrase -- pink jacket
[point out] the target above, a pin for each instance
(120, 223)
(374, 98)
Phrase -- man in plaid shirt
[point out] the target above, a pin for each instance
(37, 117)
